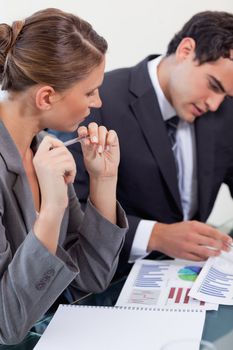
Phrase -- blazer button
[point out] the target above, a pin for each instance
(40, 285)
(50, 272)
(45, 279)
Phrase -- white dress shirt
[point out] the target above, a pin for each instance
(186, 158)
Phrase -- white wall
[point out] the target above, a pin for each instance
(133, 29)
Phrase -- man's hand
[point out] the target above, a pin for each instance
(190, 240)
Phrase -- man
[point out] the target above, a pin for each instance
(168, 180)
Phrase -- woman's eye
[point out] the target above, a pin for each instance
(92, 93)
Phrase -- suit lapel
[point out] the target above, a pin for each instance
(146, 109)
(20, 189)
(205, 141)
(25, 202)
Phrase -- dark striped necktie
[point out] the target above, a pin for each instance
(171, 125)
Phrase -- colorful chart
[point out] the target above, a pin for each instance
(180, 296)
(189, 273)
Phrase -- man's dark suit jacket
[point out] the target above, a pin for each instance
(147, 183)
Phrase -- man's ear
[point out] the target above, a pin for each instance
(45, 97)
(186, 48)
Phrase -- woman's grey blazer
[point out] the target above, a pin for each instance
(31, 277)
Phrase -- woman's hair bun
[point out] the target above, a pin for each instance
(8, 36)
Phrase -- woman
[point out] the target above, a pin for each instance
(51, 67)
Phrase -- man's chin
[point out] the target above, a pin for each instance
(189, 118)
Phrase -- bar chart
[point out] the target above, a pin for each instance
(178, 296)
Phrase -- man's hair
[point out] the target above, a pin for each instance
(213, 35)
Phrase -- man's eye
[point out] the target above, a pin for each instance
(214, 87)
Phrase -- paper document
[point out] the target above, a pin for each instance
(100, 328)
(164, 283)
(215, 282)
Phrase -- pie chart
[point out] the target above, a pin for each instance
(189, 273)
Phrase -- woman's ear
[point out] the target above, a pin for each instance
(45, 97)
(186, 48)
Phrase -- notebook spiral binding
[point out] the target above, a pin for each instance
(137, 308)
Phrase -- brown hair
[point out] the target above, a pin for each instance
(51, 47)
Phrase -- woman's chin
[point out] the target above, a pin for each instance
(76, 125)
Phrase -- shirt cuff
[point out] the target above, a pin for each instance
(141, 240)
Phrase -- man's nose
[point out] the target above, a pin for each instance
(214, 101)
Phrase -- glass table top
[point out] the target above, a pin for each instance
(218, 327)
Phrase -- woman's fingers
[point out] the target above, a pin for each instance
(112, 138)
(49, 143)
(55, 157)
(93, 133)
(98, 135)
(102, 139)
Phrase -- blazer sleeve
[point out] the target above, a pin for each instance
(81, 186)
(33, 278)
(94, 244)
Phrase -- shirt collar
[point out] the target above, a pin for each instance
(166, 108)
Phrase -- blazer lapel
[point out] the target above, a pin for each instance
(24, 199)
(205, 141)
(146, 109)
(20, 187)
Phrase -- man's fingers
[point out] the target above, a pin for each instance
(193, 257)
(207, 252)
(209, 242)
(212, 232)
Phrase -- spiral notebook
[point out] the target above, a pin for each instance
(119, 328)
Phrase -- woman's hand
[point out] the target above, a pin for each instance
(101, 151)
(101, 157)
(55, 168)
